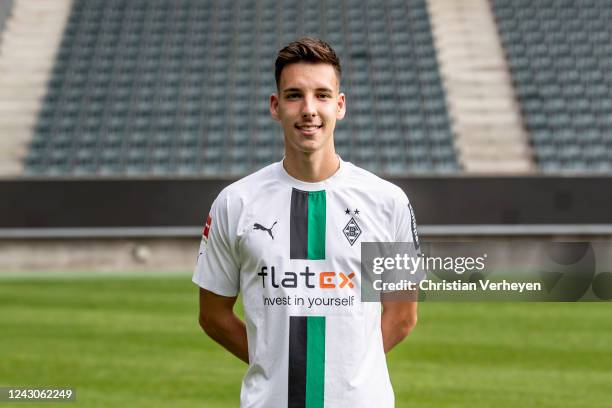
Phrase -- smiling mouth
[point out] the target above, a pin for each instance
(308, 127)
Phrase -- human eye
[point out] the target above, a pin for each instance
(292, 95)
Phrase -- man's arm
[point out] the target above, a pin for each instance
(398, 319)
(218, 320)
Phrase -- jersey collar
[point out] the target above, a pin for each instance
(306, 186)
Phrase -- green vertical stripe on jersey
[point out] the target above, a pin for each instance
(307, 224)
(316, 224)
(315, 362)
(306, 369)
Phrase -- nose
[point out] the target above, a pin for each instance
(308, 108)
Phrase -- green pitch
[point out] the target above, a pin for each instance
(135, 342)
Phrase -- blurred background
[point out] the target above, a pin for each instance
(121, 120)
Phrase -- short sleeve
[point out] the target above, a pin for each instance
(406, 223)
(408, 243)
(217, 268)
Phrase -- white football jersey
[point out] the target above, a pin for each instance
(293, 250)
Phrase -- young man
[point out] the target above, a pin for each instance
(288, 237)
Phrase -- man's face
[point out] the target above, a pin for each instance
(307, 105)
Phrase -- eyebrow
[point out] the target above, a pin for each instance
(289, 90)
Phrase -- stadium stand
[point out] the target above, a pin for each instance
(30, 41)
(560, 56)
(144, 89)
(167, 88)
(485, 116)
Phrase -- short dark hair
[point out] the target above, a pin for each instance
(306, 49)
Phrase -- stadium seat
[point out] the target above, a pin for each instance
(165, 87)
(556, 52)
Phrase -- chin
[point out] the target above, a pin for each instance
(305, 147)
(309, 148)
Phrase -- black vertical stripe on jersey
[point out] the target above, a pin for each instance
(298, 246)
(297, 361)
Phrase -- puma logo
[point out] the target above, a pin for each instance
(261, 227)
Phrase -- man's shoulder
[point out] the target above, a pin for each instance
(250, 185)
(369, 183)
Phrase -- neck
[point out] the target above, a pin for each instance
(311, 167)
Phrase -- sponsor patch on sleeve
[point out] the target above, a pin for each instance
(206, 229)
(205, 232)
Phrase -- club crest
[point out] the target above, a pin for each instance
(352, 231)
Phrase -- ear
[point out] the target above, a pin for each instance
(274, 106)
(341, 106)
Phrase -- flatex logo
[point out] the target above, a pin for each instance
(306, 279)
